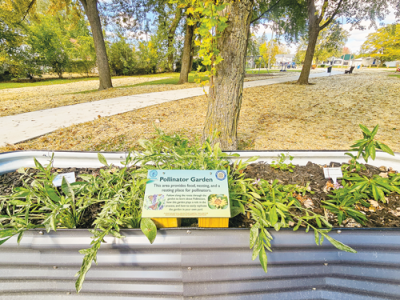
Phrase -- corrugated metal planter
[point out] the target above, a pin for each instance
(199, 263)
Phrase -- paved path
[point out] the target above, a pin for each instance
(18, 128)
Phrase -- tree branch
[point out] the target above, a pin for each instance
(28, 9)
(265, 12)
(324, 6)
(332, 17)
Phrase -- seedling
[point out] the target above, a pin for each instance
(281, 165)
(366, 147)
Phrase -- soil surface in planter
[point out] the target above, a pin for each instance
(383, 215)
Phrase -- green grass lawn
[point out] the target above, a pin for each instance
(13, 85)
(398, 76)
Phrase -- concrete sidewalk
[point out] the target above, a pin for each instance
(18, 128)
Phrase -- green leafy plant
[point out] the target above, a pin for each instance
(357, 188)
(272, 205)
(376, 187)
(281, 165)
(342, 204)
(366, 147)
(118, 194)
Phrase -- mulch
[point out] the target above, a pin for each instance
(311, 173)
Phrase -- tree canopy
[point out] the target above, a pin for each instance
(331, 41)
(384, 44)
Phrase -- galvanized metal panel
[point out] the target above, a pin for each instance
(11, 161)
(203, 264)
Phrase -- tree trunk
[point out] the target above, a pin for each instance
(313, 32)
(191, 59)
(92, 13)
(225, 96)
(186, 55)
(171, 35)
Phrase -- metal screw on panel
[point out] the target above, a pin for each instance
(188, 232)
(41, 232)
(325, 264)
(339, 231)
(189, 268)
(55, 267)
(68, 293)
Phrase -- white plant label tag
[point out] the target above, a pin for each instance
(333, 173)
(70, 177)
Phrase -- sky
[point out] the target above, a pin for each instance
(356, 39)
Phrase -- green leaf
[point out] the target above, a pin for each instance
(254, 231)
(236, 210)
(316, 235)
(67, 189)
(273, 216)
(38, 165)
(372, 151)
(375, 131)
(365, 130)
(339, 245)
(263, 259)
(20, 235)
(5, 240)
(385, 148)
(52, 193)
(7, 233)
(102, 159)
(298, 225)
(18, 202)
(255, 195)
(251, 159)
(149, 229)
(318, 222)
(257, 249)
(375, 191)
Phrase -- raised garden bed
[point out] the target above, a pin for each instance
(204, 263)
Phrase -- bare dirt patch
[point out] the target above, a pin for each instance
(276, 117)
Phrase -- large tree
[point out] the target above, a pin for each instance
(92, 13)
(171, 37)
(20, 9)
(383, 44)
(331, 42)
(224, 30)
(322, 13)
(226, 90)
(49, 41)
(187, 54)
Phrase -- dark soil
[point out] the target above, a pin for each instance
(314, 174)
(311, 173)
